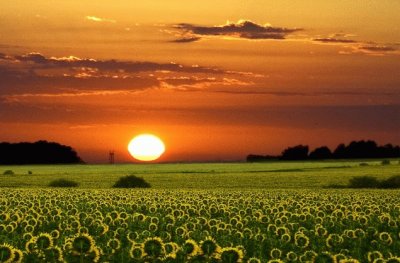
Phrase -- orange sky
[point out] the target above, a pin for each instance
(216, 80)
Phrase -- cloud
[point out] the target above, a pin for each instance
(34, 74)
(244, 29)
(357, 47)
(186, 39)
(110, 65)
(377, 48)
(99, 19)
(372, 49)
(334, 40)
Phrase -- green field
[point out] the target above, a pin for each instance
(204, 175)
(232, 212)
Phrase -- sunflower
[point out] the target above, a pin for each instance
(372, 255)
(54, 254)
(171, 247)
(349, 260)
(385, 238)
(275, 253)
(18, 256)
(137, 252)
(55, 234)
(393, 260)
(190, 248)
(7, 254)
(83, 243)
(44, 241)
(209, 247)
(301, 240)
(153, 227)
(253, 260)
(154, 247)
(30, 246)
(114, 243)
(231, 255)
(291, 256)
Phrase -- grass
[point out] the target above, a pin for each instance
(269, 175)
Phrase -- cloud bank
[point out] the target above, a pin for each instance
(36, 74)
(243, 29)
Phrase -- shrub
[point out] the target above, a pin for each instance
(364, 182)
(30, 172)
(385, 162)
(8, 172)
(131, 181)
(391, 182)
(63, 183)
(364, 164)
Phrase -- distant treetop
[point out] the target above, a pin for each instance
(40, 152)
(354, 150)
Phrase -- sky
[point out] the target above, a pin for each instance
(215, 80)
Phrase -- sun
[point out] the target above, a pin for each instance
(146, 147)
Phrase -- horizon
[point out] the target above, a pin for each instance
(247, 78)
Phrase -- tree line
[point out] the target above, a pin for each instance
(40, 152)
(354, 150)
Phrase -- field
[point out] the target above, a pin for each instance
(232, 212)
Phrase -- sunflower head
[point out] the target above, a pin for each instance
(301, 240)
(6, 253)
(190, 248)
(83, 243)
(372, 255)
(44, 241)
(18, 256)
(393, 260)
(253, 260)
(209, 246)
(275, 253)
(231, 254)
(114, 243)
(137, 252)
(154, 247)
(291, 256)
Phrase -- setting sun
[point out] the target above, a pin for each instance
(146, 147)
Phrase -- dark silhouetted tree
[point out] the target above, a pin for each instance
(299, 152)
(365, 149)
(321, 153)
(40, 152)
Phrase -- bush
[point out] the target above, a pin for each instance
(391, 182)
(364, 182)
(385, 162)
(364, 164)
(8, 172)
(131, 181)
(63, 183)
(30, 172)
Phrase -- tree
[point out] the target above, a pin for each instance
(40, 152)
(299, 152)
(321, 153)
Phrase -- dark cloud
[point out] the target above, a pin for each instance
(377, 48)
(35, 73)
(186, 40)
(242, 29)
(109, 65)
(334, 40)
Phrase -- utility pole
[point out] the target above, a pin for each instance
(111, 157)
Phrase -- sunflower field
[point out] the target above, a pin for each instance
(46, 225)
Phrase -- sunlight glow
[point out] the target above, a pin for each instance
(146, 147)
